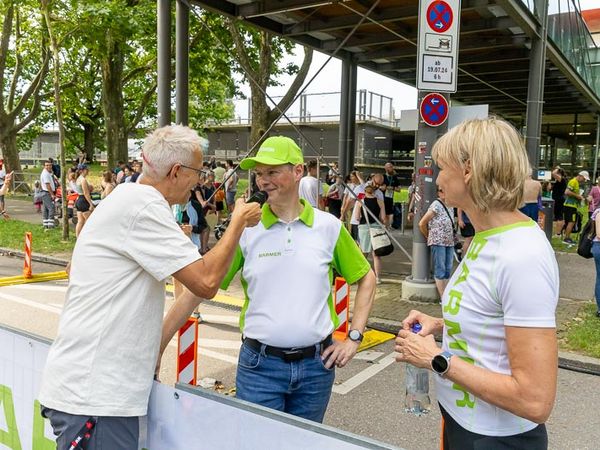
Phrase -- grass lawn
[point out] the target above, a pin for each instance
(49, 242)
(583, 333)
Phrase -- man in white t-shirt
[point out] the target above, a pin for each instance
(100, 367)
(310, 187)
(48, 195)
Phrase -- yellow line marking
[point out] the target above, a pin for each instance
(219, 298)
(36, 278)
(374, 337)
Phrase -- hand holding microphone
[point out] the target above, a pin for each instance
(249, 211)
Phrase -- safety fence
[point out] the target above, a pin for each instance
(182, 417)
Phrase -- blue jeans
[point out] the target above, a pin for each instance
(596, 253)
(443, 258)
(301, 388)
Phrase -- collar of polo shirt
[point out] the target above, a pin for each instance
(269, 218)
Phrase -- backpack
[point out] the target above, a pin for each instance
(586, 238)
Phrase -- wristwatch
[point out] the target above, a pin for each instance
(355, 335)
(440, 364)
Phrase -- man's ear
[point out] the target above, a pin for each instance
(174, 172)
(298, 171)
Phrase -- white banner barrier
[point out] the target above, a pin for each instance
(178, 418)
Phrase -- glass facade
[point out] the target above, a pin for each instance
(569, 32)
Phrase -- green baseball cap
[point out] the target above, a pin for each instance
(275, 151)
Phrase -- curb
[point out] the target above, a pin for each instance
(34, 257)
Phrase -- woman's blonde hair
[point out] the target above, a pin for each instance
(495, 153)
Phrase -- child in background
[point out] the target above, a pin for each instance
(37, 196)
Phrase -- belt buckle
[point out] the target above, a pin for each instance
(292, 355)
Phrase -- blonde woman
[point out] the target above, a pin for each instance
(498, 363)
(84, 203)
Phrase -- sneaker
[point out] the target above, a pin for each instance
(569, 241)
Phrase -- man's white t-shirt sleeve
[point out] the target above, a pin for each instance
(528, 292)
(156, 242)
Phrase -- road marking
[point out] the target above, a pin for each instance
(33, 304)
(219, 318)
(220, 343)
(36, 278)
(364, 375)
(39, 287)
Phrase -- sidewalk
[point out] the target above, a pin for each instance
(577, 277)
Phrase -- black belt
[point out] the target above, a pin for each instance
(289, 354)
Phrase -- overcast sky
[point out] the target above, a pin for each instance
(404, 96)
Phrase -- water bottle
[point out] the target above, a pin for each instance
(417, 399)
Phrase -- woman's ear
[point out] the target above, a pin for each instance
(467, 173)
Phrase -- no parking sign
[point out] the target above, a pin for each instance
(434, 109)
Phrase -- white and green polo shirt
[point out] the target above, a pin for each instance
(287, 273)
(509, 277)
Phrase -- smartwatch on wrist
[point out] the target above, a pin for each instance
(355, 335)
(440, 364)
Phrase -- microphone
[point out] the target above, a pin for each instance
(259, 197)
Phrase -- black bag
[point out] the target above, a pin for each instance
(586, 239)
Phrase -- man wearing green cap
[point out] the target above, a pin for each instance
(288, 358)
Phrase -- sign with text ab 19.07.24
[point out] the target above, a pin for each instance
(437, 60)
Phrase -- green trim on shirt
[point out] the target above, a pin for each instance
(502, 229)
(236, 264)
(269, 218)
(348, 259)
(572, 186)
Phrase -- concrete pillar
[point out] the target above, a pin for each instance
(182, 53)
(420, 286)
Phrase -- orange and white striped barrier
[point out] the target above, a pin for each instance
(342, 301)
(27, 263)
(187, 352)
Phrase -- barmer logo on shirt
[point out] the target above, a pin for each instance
(268, 254)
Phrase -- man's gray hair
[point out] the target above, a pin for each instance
(167, 146)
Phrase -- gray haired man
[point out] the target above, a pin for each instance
(100, 367)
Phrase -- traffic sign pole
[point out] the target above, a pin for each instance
(437, 62)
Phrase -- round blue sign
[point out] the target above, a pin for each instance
(439, 16)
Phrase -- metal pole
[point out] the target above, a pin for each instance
(182, 53)
(344, 167)
(535, 89)
(425, 193)
(351, 127)
(596, 149)
(164, 62)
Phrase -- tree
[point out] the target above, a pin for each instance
(258, 55)
(24, 58)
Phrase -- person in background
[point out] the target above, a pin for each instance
(2, 182)
(219, 172)
(573, 199)
(127, 174)
(497, 368)
(332, 173)
(120, 172)
(391, 183)
(352, 182)
(310, 187)
(596, 253)
(37, 196)
(84, 203)
(546, 189)
(412, 189)
(3, 190)
(230, 185)
(558, 195)
(107, 184)
(373, 202)
(55, 168)
(532, 196)
(438, 228)
(137, 171)
(593, 198)
(49, 193)
(334, 197)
